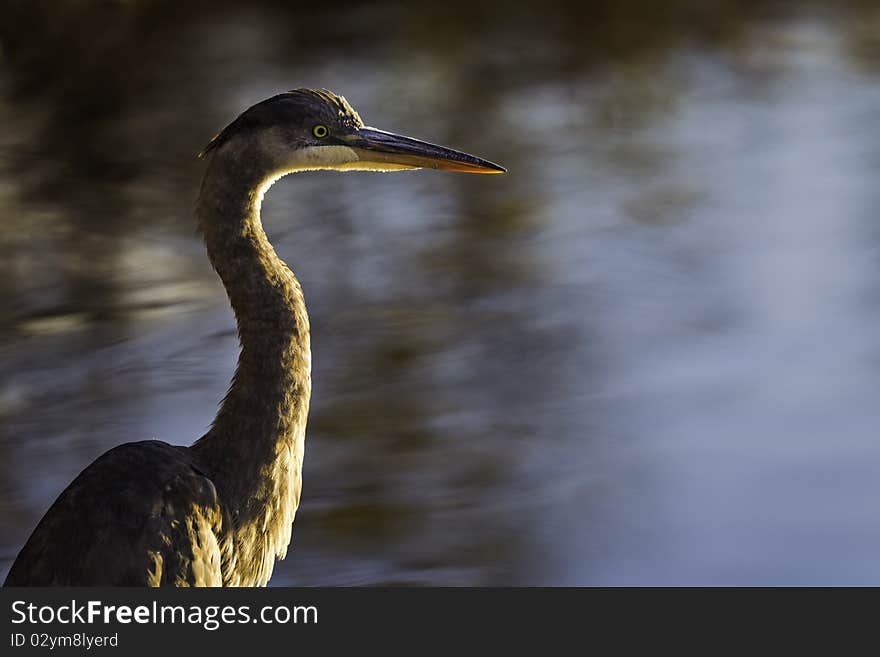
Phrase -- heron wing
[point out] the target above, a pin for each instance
(143, 514)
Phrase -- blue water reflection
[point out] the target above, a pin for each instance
(648, 355)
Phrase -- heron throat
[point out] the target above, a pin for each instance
(254, 448)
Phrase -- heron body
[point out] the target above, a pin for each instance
(220, 512)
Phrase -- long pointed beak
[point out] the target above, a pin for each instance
(385, 148)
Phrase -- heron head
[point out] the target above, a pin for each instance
(316, 129)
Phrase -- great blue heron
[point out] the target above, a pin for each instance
(220, 512)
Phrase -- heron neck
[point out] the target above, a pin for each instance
(254, 448)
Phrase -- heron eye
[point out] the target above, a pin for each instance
(320, 131)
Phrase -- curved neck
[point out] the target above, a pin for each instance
(254, 448)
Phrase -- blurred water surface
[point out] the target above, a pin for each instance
(648, 355)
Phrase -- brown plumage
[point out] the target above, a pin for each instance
(220, 512)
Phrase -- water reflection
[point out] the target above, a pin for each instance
(644, 356)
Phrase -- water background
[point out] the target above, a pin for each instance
(650, 354)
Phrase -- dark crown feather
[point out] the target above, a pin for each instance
(288, 107)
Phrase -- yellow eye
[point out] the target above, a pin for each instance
(320, 131)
